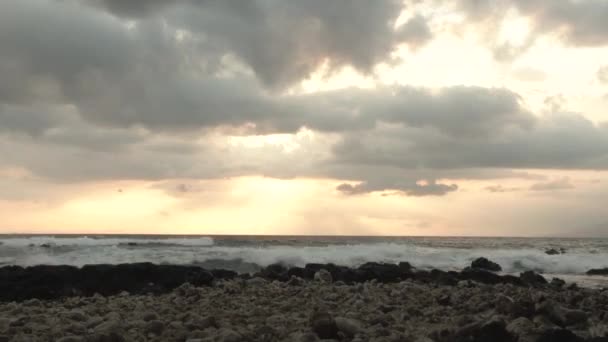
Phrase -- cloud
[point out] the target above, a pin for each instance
(285, 41)
(557, 184)
(426, 188)
(500, 189)
(580, 23)
(602, 74)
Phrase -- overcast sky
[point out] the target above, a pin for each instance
(422, 117)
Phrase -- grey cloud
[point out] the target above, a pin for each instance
(431, 188)
(556, 184)
(500, 189)
(285, 41)
(581, 23)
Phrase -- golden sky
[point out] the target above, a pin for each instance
(288, 117)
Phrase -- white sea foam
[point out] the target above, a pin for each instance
(101, 241)
(86, 250)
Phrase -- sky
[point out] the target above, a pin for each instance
(341, 117)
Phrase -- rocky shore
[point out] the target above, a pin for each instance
(374, 302)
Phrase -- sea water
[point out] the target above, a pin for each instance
(250, 253)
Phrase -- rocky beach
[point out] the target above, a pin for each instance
(373, 302)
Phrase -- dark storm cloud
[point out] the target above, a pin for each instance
(285, 41)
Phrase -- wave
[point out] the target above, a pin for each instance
(250, 258)
(50, 241)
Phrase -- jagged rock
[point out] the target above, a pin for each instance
(523, 328)
(485, 264)
(598, 271)
(552, 251)
(324, 325)
(493, 330)
(295, 281)
(323, 276)
(558, 283)
(532, 278)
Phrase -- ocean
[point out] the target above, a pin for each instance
(250, 253)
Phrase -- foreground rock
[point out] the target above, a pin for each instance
(485, 264)
(598, 271)
(53, 282)
(308, 310)
(48, 282)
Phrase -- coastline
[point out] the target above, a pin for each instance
(375, 302)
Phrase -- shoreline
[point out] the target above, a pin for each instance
(258, 309)
(58, 281)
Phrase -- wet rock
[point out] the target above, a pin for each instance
(557, 283)
(52, 282)
(324, 325)
(532, 278)
(382, 272)
(485, 264)
(552, 251)
(598, 271)
(323, 276)
(275, 272)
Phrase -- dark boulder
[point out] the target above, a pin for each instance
(598, 271)
(532, 278)
(382, 272)
(274, 272)
(481, 276)
(493, 330)
(485, 264)
(223, 274)
(324, 325)
(552, 251)
(558, 335)
(52, 282)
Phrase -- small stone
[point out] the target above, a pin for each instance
(228, 335)
(77, 315)
(256, 281)
(323, 276)
(349, 327)
(149, 316)
(295, 281)
(155, 327)
(521, 327)
(70, 339)
(324, 325)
